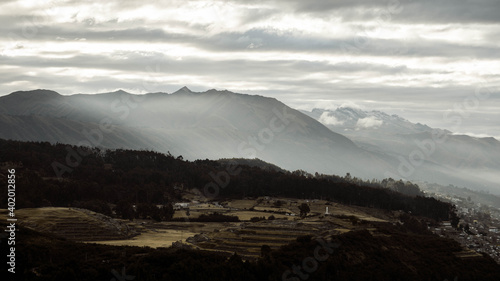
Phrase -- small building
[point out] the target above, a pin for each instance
(180, 206)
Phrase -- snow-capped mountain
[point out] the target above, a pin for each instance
(347, 119)
(420, 149)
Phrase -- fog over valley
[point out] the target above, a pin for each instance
(221, 124)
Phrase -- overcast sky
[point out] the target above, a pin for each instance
(435, 62)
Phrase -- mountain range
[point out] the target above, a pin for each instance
(221, 124)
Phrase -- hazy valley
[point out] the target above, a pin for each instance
(221, 124)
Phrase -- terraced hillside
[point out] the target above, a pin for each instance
(247, 239)
(74, 224)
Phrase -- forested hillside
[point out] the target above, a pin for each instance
(63, 175)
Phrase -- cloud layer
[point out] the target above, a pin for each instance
(326, 119)
(369, 122)
(424, 60)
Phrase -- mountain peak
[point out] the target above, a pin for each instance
(353, 112)
(183, 90)
(120, 91)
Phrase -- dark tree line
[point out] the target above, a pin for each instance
(126, 177)
(126, 210)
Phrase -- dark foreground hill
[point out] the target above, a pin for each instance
(396, 255)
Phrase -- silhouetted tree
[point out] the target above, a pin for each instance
(304, 209)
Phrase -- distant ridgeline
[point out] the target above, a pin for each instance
(64, 175)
